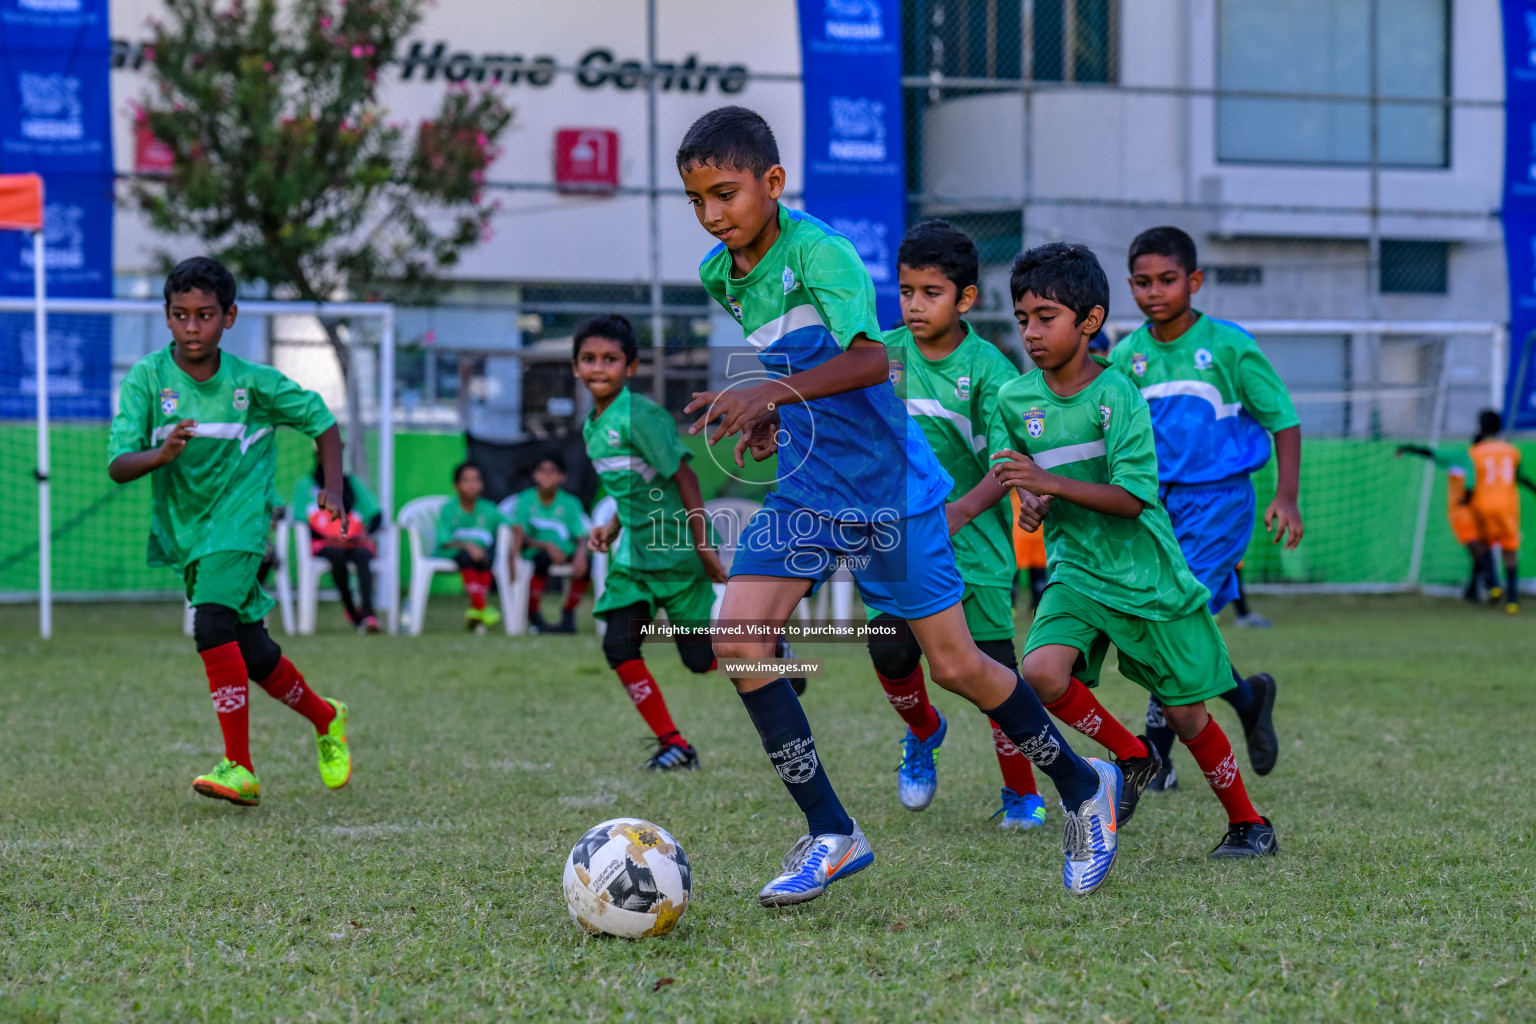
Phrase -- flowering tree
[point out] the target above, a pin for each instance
(288, 169)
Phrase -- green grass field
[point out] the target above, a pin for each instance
(429, 889)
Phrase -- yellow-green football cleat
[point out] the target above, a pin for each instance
(335, 755)
(490, 616)
(230, 781)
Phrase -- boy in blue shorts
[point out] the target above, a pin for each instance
(1078, 438)
(858, 485)
(1215, 400)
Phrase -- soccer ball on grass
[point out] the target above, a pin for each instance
(629, 878)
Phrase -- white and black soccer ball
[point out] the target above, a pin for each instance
(629, 878)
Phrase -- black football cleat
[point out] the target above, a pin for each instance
(670, 757)
(1137, 773)
(1247, 839)
(1165, 780)
(1259, 733)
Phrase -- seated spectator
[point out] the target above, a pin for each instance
(355, 550)
(466, 533)
(549, 527)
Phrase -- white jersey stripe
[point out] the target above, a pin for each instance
(934, 407)
(795, 319)
(215, 432)
(621, 463)
(1193, 389)
(1054, 457)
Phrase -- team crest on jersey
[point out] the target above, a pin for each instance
(1139, 364)
(1104, 414)
(1034, 422)
(730, 300)
(613, 438)
(789, 280)
(1203, 359)
(963, 387)
(242, 399)
(894, 376)
(168, 399)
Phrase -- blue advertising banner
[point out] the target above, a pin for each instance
(1520, 208)
(55, 120)
(855, 177)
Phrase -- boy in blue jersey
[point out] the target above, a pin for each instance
(858, 485)
(1215, 402)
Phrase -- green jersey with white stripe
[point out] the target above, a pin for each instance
(953, 399)
(562, 522)
(218, 494)
(1102, 435)
(635, 449)
(478, 525)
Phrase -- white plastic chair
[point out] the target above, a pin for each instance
(311, 567)
(418, 528)
(520, 573)
(604, 511)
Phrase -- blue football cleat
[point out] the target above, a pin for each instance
(917, 777)
(814, 863)
(1021, 810)
(1089, 841)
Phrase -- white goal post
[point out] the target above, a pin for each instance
(139, 318)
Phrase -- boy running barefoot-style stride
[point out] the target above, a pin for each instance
(1215, 401)
(1079, 438)
(948, 376)
(658, 539)
(200, 423)
(858, 484)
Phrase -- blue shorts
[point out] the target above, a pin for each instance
(905, 567)
(1213, 523)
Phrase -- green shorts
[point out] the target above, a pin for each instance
(684, 599)
(229, 578)
(988, 612)
(1182, 661)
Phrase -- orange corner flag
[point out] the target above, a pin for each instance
(21, 202)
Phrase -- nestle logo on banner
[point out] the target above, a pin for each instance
(63, 239)
(858, 129)
(50, 107)
(66, 363)
(52, 6)
(868, 237)
(855, 20)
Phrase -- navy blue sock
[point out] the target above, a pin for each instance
(1241, 697)
(1158, 733)
(786, 735)
(1024, 721)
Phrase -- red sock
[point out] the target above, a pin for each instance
(1017, 774)
(573, 597)
(288, 686)
(714, 664)
(475, 587)
(1080, 709)
(910, 699)
(1213, 753)
(227, 686)
(536, 592)
(642, 689)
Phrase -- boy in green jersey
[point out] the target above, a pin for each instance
(1215, 403)
(549, 527)
(660, 555)
(200, 423)
(947, 375)
(466, 533)
(858, 486)
(1079, 441)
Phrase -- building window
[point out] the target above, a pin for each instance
(1415, 267)
(1068, 40)
(1320, 46)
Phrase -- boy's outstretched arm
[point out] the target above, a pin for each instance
(329, 497)
(1283, 515)
(1021, 471)
(698, 522)
(132, 465)
(862, 364)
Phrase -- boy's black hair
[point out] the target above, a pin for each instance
(1064, 272)
(1168, 241)
(1489, 424)
(729, 137)
(555, 458)
(462, 467)
(611, 326)
(945, 248)
(204, 274)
